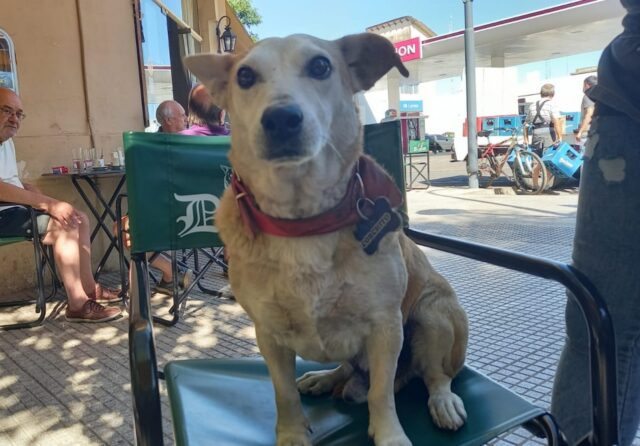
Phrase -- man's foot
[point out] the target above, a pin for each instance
(226, 292)
(184, 280)
(105, 295)
(92, 311)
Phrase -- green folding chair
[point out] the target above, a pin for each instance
(231, 401)
(43, 255)
(173, 187)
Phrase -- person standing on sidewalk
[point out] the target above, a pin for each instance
(586, 109)
(63, 226)
(607, 241)
(544, 118)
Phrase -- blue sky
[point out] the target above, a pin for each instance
(330, 19)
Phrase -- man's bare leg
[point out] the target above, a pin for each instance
(164, 265)
(67, 253)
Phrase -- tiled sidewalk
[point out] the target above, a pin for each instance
(68, 384)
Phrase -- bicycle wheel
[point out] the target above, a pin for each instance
(529, 172)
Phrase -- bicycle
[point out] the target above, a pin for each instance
(528, 171)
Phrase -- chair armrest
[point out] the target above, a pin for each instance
(599, 323)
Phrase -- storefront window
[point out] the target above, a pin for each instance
(8, 75)
(165, 44)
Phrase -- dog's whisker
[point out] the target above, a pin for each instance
(335, 149)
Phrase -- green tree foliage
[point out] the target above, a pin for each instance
(247, 14)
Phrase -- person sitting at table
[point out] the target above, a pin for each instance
(64, 227)
(171, 117)
(205, 118)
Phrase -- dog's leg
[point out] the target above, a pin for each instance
(324, 381)
(292, 427)
(438, 347)
(383, 348)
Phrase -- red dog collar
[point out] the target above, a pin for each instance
(367, 181)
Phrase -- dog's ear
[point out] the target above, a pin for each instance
(369, 57)
(213, 71)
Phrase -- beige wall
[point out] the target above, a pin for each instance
(209, 12)
(49, 38)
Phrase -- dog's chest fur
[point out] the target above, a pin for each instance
(317, 295)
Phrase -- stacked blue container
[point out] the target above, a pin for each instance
(563, 161)
(507, 123)
(490, 123)
(571, 121)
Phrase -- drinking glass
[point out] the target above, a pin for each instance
(76, 159)
(89, 156)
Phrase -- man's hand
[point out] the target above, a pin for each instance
(64, 213)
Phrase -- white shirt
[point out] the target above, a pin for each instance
(9, 166)
(547, 111)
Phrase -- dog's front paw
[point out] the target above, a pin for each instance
(447, 410)
(395, 439)
(317, 383)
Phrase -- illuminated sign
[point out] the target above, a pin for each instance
(411, 106)
(409, 49)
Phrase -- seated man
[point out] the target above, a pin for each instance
(65, 228)
(171, 117)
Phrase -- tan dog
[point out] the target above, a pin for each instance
(296, 141)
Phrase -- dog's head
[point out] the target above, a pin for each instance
(291, 99)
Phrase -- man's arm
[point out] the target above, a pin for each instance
(14, 194)
(32, 188)
(59, 210)
(557, 125)
(585, 121)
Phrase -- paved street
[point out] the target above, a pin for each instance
(68, 384)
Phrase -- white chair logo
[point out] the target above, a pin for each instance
(199, 213)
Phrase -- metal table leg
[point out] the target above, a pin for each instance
(100, 217)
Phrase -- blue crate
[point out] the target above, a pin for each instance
(490, 123)
(506, 123)
(571, 122)
(563, 161)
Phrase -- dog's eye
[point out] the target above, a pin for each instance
(319, 67)
(246, 77)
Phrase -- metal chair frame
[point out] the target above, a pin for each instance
(145, 373)
(43, 256)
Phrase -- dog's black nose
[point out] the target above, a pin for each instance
(282, 122)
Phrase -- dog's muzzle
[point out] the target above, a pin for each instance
(282, 125)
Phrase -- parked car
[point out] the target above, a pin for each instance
(440, 143)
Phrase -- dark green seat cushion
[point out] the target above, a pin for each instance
(231, 402)
(11, 240)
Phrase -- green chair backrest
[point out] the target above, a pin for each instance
(383, 142)
(174, 184)
(418, 146)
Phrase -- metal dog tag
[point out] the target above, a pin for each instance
(376, 220)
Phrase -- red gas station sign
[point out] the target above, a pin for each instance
(409, 49)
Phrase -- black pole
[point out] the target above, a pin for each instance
(470, 69)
